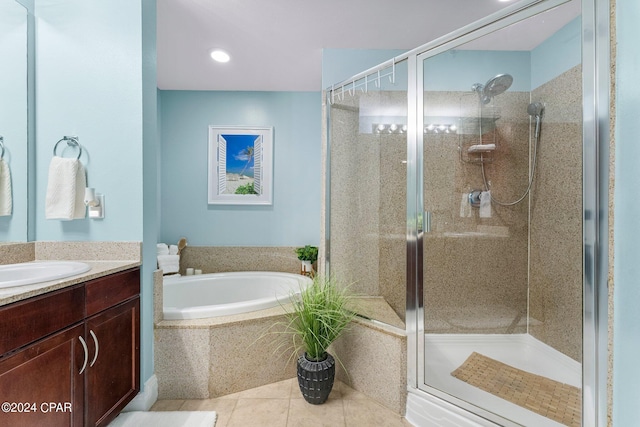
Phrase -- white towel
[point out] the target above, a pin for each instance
(465, 206)
(6, 199)
(169, 263)
(485, 204)
(173, 249)
(65, 189)
(163, 249)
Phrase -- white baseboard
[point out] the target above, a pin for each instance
(145, 398)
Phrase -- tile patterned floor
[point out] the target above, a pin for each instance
(281, 405)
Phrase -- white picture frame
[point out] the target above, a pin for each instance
(240, 170)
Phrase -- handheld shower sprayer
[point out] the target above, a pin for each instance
(535, 109)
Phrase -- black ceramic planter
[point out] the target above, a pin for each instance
(316, 378)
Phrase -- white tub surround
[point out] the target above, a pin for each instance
(216, 356)
(375, 357)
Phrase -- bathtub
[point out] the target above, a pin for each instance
(221, 294)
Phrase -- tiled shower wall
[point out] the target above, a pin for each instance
(368, 202)
(477, 273)
(355, 172)
(472, 263)
(556, 218)
(475, 269)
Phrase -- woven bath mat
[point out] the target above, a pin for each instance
(552, 399)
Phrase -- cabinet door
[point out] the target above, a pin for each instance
(113, 373)
(41, 385)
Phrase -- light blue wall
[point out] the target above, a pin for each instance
(455, 70)
(294, 217)
(92, 58)
(458, 70)
(13, 115)
(89, 84)
(559, 53)
(626, 323)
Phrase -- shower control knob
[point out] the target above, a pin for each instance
(474, 198)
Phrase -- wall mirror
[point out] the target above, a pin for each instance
(14, 21)
(240, 165)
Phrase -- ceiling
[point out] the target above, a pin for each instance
(276, 45)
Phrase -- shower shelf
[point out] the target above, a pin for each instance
(477, 152)
(481, 148)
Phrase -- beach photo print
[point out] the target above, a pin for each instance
(240, 165)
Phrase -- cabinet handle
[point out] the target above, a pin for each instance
(95, 340)
(86, 355)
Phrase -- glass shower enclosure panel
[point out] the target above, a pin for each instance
(367, 191)
(502, 258)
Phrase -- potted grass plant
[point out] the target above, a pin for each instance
(316, 320)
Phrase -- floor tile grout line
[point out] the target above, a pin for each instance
(344, 410)
(286, 421)
(235, 405)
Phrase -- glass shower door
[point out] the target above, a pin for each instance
(500, 148)
(367, 163)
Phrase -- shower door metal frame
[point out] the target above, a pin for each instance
(596, 68)
(415, 235)
(418, 220)
(596, 80)
(595, 65)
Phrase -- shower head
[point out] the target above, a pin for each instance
(535, 109)
(497, 85)
(494, 86)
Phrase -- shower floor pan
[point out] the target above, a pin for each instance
(444, 353)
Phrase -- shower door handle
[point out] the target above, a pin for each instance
(426, 222)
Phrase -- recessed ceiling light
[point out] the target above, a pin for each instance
(220, 55)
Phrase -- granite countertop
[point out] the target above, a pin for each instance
(98, 269)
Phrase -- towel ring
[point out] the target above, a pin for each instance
(1, 147)
(72, 141)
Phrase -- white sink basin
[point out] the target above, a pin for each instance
(28, 273)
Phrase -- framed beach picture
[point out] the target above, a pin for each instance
(240, 165)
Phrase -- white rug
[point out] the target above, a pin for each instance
(165, 419)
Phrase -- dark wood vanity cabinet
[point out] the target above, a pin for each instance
(71, 357)
(113, 379)
(35, 380)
